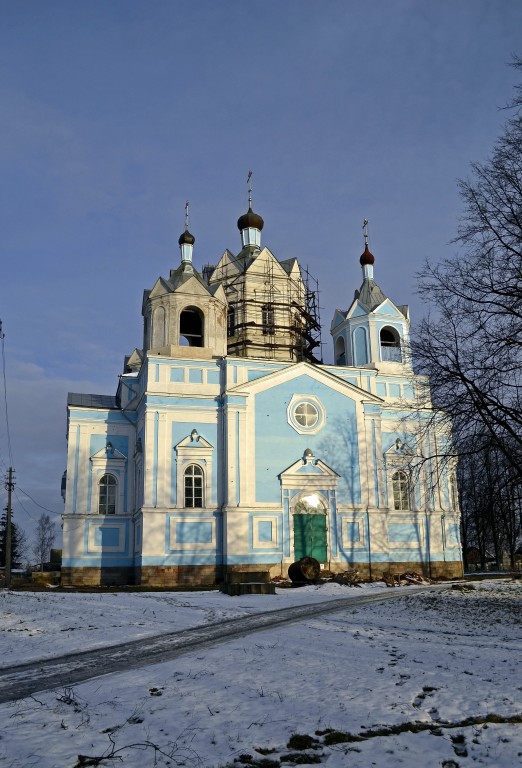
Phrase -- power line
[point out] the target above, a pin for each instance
(52, 511)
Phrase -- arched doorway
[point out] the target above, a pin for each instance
(309, 520)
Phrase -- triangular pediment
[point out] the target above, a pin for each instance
(193, 286)
(161, 287)
(266, 259)
(218, 292)
(357, 310)
(134, 360)
(109, 454)
(338, 318)
(196, 441)
(389, 309)
(399, 449)
(308, 466)
(227, 266)
(314, 372)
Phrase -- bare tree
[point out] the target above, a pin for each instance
(44, 539)
(471, 344)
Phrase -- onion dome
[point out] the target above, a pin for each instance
(250, 220)
(367, 257)
(186, 238)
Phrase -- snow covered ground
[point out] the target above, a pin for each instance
(429, 680)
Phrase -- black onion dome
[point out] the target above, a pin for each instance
(367, 257)
(250, 220)
(186, 238)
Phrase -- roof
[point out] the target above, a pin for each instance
(91, 401)
(370, 294)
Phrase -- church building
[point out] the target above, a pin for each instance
(229, 446)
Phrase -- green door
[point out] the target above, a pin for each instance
(310, 537)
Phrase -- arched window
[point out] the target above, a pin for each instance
(107, 497)
(191, 327)
(340, 352)
(193, 486)
(390, 345)
(401, 490)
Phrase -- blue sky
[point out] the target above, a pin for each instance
(113, 113)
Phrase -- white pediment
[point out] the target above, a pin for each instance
(308, 466)
(357, 310)
(399, 451)
(389, 309)
(108, 454)
(314, 372)
(194, 441)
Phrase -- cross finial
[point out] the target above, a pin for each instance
(249, 184)
(187, 215)
(365, 231)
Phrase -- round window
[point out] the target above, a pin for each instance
(306, 415)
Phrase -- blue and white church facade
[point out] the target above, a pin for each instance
(229, 447)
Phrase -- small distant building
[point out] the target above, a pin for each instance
(229, 445)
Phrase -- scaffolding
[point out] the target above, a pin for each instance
(273, 312)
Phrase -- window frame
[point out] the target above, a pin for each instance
(104, 501)
(190, 496)
(401, 490)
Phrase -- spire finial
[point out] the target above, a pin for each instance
(249, 185)
(367, 258)
(187, 216)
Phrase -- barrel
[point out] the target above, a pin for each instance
(304, 571)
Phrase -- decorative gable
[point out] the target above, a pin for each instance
(161, 287)
(108, 454)
(399, 455)
(338, 318)
(388, 308)
(314, 472)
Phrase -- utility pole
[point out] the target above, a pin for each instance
(8, 530)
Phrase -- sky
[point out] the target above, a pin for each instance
(363, 669)
(113, 114)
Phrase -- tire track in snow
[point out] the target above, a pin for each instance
(23, 680)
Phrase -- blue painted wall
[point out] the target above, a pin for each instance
(278, 445)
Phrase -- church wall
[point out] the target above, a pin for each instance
(278, 444)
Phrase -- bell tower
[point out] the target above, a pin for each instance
(373, 332)
(182, 315)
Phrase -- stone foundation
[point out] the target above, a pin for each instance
(97, 577)
(179, 575)
(211, 575)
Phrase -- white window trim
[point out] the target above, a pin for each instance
(187, 452)
(301, 400)
(108, 465)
